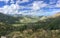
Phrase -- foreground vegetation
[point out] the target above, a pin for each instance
(29, 27)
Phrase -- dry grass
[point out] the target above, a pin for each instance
(40, 33)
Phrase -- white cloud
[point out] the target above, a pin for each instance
(1, 10)
(52, 1)
(2, 0)
(22, 1)
(12, 1)
(25, 1)
(12, 9)
(17, 1)
(58, 4)
(58, 1)
(38, 4)
(6, 1)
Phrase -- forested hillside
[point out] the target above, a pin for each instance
(30, 27)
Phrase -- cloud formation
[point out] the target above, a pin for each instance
(13, 8)
(6, 1)
(58, 4)
(38, 4)
(35, 7)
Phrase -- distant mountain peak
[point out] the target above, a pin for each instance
(55, 15)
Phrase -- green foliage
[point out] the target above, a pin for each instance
(10, 24)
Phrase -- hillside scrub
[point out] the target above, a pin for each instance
(40, 27)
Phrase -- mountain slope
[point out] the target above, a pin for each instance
(43, 24)
(7, 19)
(55, 15)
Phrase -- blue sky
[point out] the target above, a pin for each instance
(30, 7)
